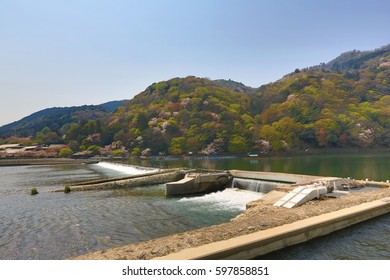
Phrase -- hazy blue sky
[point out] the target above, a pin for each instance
(75, 52)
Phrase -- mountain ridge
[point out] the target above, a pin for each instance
(37, 120)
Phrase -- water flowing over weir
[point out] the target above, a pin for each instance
(254, 185)
(125, 168)
(228, 200)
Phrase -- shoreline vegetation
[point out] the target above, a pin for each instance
(42, 161)
(67, 160)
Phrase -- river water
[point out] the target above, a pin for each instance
(58, 226)
(375, 166)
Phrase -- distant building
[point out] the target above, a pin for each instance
(31, 148)
(81, 155)
(10, 147)
(57, 146)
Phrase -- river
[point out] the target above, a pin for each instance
(375, 166)
(58, 226)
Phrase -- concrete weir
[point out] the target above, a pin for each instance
(272, 176)
(154, 178)
(300, 188)
(262, 242)
(285, 190)
(196, 183)
(286, 229)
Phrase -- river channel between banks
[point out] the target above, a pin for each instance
(58, 226)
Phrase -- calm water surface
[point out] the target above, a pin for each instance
(375, 166)
(58, 226)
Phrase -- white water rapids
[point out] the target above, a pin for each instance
(125, 169)
(231, 199)
(228, 199)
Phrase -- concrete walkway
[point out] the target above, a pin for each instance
(262, 242)
(273, 176)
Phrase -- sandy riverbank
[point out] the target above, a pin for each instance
(260, 215)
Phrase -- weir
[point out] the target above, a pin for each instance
(262, 182)
(145, 179)
(196, 183)
(262, 242)
(287, 178)
(291, 190)
(280, 189)
(254, 185)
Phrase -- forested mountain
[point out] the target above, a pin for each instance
(343, 103)
(57, 119)
(347, 107)
(235, 86)
(185, 115)
(357, 60)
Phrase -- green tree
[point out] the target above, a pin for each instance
(65, 152)
(141, 121)
(74, 145)
(269, 132)
(94, 149)
(289, 131)
(327, 132)
(238, 144)
(73, 132)
(136, 151)
(46, 136)
(178, 145)
(161, 87)
(90, 127)
(118, 153)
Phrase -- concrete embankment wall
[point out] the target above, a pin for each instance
(155, 178)
(262, 242)
(197, 183)
(272, 176)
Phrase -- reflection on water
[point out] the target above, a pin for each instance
(374, 166)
